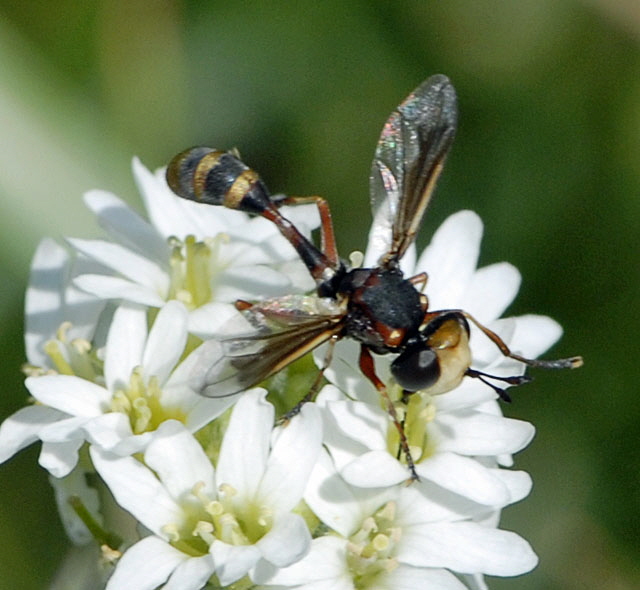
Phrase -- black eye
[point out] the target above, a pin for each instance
(416, 368)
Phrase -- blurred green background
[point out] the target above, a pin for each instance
(548, 153)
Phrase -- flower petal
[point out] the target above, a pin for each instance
(125, 262)
(191, 574)
(106, 287)
(125, 225)
(179, 460)
(146, 565)
(326, 561)
(467, 547)
(125, 345)
(476, 433)
(534, 334)
(69, 394)
(245, 447)
(49, 301)
(405, 577)
(491, 291)
(451, 258)
(60, 458)
(23, 428)
(233, 561)
(374, 469)
(166, 341)
(293, 455)
(287, 542)
(137, 490)
(464, 476)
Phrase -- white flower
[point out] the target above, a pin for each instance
(201, 255)
(447, 433)
(225, 521)
(397, 538)
(141, 388)
(445, 446)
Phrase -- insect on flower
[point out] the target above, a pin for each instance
(378, 307)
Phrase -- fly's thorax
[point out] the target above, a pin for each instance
(384, 308)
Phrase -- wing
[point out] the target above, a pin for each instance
(408, 159)
(285, 329)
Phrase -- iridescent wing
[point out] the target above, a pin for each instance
(408, 159)
(283, 330)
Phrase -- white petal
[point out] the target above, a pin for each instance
(179, 460)
(125, 345)
(70, 394)
(293, 455)
(245, 447)
(331, 499)
(326, 561)
(106, 287)
(191, 574)
(361, 422)
(209, 319)
(125, 225)
(125, 262)
(450, 260)
(469, 394)
(477, 433)
(166, 341)
(491, 291)
(251, 282)
(405, 577)
(374, 469)
(287, 542)
(518, 482)
(23, 428)
(534, 334)
(137, 490)
(427, 502)
(167, 212)
(107, 430)
(233, 561)
(146, 565)
(344, 371)
(44, 298)
(60, 458)
(464, 476)
(467, 547)
(63, 430)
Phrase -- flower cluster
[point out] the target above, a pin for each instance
(219, 491)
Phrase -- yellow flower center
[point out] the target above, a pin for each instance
(416, 415)
(194, 267)
(371, 550)
(222, 518)
(141, 401)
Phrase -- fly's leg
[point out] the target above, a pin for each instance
(327, 236)
(419, 281)
(502, 394)
(569, 363)
(368, 369)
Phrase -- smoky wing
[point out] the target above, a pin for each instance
(408, 159)
(283, 331)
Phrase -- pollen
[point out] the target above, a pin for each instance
(371, 549)
(70, 357)
(141, 401)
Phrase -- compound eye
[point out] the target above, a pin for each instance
(416, 368)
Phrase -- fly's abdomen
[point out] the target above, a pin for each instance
(215, 177)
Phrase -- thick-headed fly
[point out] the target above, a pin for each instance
(380, 308)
